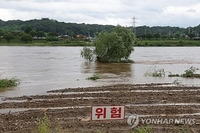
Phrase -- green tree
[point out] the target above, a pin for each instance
(52, 34)
(71, 33)
(28, 30)
(1, 34)
(8, 36)
(191, 35)
(41, 34)
(149, 36)
(157, 36)
(33, 33)
(114, 46)
(87, 53)
(177, 35)
(26, 37)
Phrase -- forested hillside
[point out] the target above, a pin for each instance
(72, 29)
(49, 25)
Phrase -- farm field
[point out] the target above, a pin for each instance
(70, 108)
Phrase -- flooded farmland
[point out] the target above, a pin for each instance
(45, 68)
(53, 82)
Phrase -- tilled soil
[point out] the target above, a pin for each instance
(70, 109)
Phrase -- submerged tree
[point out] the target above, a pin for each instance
(87, 53)
(114, 46)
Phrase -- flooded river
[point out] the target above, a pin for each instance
(47, 68)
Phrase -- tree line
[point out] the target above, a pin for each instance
(49, 25)
(167, 32)
(45, 27)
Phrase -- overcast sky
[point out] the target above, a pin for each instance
(182, 13)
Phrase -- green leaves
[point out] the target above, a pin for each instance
(44, 124)
(5, 83)
(8, 36)
(155, 72)
(26, 37)
(87, 54)
(191, 72)
(114, 46)
(94, 77)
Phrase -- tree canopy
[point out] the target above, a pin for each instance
(113, 46)
(35, 27)
(26, 37)
(8, 36)
(49, 25)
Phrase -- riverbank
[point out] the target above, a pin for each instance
(139, 43)
(62, 42)
(70, 108)
(167, 43)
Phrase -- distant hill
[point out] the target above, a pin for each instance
(167, 30)
(50, 25)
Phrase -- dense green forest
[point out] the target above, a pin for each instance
(48, 32)
(72, 29)
(49, 25)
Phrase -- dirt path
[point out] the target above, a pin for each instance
(70, 108)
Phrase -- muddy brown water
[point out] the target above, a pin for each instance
(45, 72)
(41, 69)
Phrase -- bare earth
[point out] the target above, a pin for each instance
(70, 108)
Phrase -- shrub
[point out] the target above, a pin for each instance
(44, 124)
(115, 45)
(94, 77)
(5, 83)
(155, 72)
(87, 54)
(191, 72)
(147, 129)
(111, 47)
(51, 39)
(26, 37)
(177, 81)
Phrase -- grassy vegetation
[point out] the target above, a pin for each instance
(44, 125)
(177, 82)
(189, 73)
(146, 129)
(5, 83)
(94, 77)
(154, 72)
(77, 42)
(167, 43)
(87, 54)
(61, 42)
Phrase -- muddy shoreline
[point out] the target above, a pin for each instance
(70, 108)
